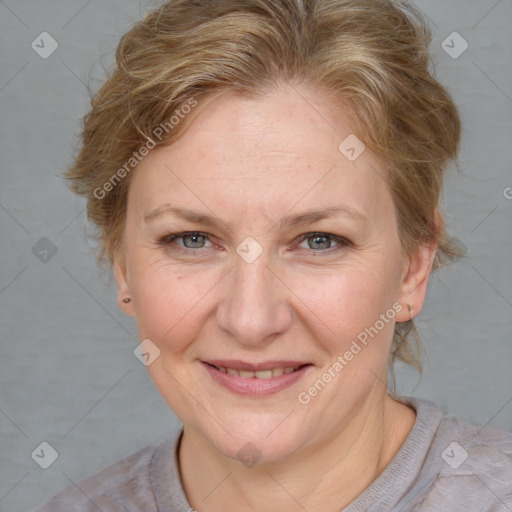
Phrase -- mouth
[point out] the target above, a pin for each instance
(259, 374)
(256, 379)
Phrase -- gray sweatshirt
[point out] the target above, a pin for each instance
(445, 464)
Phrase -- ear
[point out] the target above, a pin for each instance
(123, 287)
(415, 280)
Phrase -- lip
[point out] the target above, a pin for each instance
(237, 364)
(254, 386)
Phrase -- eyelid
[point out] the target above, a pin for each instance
(168, 240)
(341, 241)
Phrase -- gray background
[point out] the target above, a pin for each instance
(69, 376)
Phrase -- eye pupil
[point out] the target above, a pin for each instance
(319, 242)
(196, 238)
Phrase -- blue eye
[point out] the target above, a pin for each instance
(196, 242)
(191, 240)
(323, 242)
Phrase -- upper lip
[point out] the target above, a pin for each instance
(237, 364)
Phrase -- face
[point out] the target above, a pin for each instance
(253, 243)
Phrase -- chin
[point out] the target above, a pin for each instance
(257, 438)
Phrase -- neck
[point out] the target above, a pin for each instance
(326, 476)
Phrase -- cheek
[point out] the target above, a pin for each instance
(344, 308)
(171, 305)
(346, 298)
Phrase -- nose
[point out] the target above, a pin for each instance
(255, 308)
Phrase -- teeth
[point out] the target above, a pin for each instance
(277, 372)
(263, 374)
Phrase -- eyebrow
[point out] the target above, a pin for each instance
(286, 222)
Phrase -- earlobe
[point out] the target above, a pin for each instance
(415, 279)
(124, 298)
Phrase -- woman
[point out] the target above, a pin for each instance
(265, 177)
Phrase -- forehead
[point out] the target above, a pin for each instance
(290, 123)
(264, 153)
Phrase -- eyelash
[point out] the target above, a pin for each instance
(167, 240)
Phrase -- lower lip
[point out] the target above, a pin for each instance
(254, 386)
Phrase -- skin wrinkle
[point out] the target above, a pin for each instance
(307, 307)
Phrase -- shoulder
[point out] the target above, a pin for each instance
(476, 448)
(126, 482)
(474, 466)
(453, 464)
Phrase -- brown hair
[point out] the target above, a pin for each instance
(372, 55)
